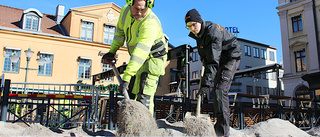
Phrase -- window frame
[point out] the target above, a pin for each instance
(256, 52)
(301, 58)
(34, 14)
(195, 74)
(249, 89)
(297, 23)
(48, 65)
(271, 56)
(195, 56)
(12, 68)
(107, 34)
(107, 67)
(263, 54)
(258, 90)
(85, 75)
(86, 30)
(247, 50)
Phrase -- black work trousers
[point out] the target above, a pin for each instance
(222, 83)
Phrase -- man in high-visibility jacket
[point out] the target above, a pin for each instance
(141, 29)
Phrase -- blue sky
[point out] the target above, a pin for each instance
(257, 20)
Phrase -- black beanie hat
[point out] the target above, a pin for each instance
(193, 15)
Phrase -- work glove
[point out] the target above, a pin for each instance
(123, 87)
(108, 56)
(203, 92)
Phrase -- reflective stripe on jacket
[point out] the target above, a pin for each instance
(140, 36)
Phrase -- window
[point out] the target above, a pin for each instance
(8, 65)
(256, 52)
(264, 75)
(194, 92)
(292, 0)
(108, 34)
(195, 56)
(195, 74)
(32, 22)
(46, 69)
(173, 74)
(84, 68)
(271, 55)
(247, 67)
(263, 54)
(257, 75)
(273, 76)
(106, 67)
(265, 90)
(300, 58)
(297, 23)
(31, 19)
(273, 91)
(247, 50)
(258, 91)
(249, 90)
(86, 30)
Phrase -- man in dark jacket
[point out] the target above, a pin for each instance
(220, 55)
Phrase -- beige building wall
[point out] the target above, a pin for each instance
(67, 50)
(100, 15)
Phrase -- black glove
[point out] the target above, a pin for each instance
(123, 86)
(108, 56)
(203, 92)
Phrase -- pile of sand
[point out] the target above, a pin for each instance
(275, 128)
(13, 130)
(270, 128)
(135, 119)
(198, 126)
(314, 131)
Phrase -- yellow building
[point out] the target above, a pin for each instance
(69, 44)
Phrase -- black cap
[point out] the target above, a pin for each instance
(193, 15)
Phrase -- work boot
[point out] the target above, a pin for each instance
(144, 99)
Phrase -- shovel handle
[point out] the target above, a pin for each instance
(198, 109)
(198, 106)
(116, 72)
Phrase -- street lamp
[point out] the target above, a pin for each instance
(14, 59)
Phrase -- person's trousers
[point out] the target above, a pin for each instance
(222, 83)
(145, 86)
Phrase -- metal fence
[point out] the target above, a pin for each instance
(53, 105)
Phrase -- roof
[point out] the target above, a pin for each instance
(256, 43)
(252, 42)
(11, 18)
(258, 69)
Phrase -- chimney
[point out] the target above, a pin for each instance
(59, 13)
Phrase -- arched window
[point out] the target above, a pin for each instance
(31, 19)
(302, 92)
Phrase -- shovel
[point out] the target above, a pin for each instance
(198, 109)
(117, 74)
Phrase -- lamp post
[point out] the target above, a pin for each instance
(14, 59)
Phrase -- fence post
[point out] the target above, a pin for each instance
(111, 108)
(5, 98)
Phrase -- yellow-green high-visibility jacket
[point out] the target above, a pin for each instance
(140, 36)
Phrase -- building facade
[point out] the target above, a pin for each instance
(69, 43)
(254, 55)
(299, 20)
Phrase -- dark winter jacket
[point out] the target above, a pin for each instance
(215, 44)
